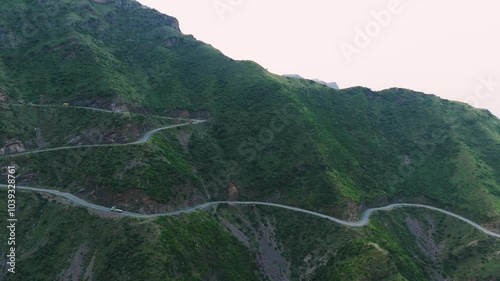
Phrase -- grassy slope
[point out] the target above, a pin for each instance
(196, 246)
(59, 125)
(405, 244)
(314, 146)
(156, 168)
(275, 138)
(188, 247)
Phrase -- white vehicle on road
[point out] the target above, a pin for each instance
(114, 209)
(362, 222)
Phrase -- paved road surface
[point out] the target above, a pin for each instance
(97, 109)
(364, 218)
(143, 139)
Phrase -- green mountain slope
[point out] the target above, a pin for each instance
(404, 245)
(35, 127)
(82, 246)
(268, 138)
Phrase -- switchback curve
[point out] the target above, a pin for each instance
(362, 222)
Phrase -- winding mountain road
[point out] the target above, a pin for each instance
(362, 222)
(143, 139)
(365, 218)
(97, 109)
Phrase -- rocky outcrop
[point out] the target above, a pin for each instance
(232, 192)
(352, 210)
(12, 147)
(183, 138)
(74, 272)
(183, 113)
(261, 237)
(40, 140)
(168, 20)
(89, 273)
(119, 107)
(173, 41)
(3, 97)
(332, 85)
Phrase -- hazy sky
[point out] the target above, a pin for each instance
(448, 48)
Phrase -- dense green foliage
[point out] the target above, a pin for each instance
(314, 146)
(188, 247)
(405, 244)
(156, 168)
(273, 138)
(56, 126)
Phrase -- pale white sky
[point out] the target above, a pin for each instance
(446, 47)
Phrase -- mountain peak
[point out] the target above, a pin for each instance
(332, 85)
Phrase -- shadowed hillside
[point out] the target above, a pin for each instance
(268, 138)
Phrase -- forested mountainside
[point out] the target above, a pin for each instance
(267, 138)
